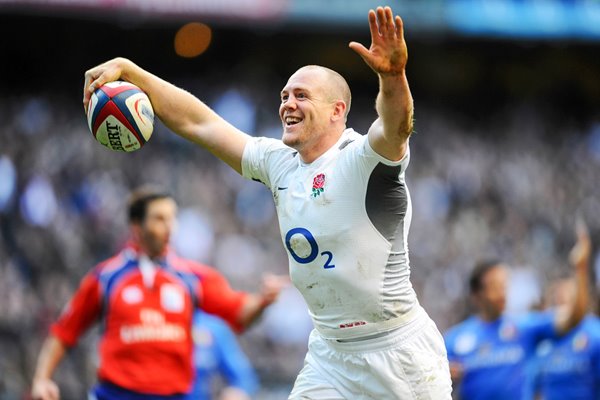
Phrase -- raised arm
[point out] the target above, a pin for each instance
(579, 257)
(178, 109)
(387, 56)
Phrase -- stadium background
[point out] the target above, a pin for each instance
(506, 151)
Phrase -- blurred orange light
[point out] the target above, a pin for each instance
(192, 39)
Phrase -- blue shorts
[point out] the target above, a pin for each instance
(108, 391)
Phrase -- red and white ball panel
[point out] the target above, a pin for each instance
(120, 116)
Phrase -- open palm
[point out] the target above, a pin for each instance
(388, 53)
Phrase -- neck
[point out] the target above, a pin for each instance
(149, 251)
(310, 153)
(489, 317)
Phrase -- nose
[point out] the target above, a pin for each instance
(289, 104)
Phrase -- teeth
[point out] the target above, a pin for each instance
(292, 120)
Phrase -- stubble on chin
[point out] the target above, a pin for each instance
(290, 140)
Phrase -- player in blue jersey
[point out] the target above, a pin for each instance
(568, 367)
(490, 351)
(344, 214)
(219, 358)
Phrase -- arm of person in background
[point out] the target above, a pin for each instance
(43, 387)
(579, 257)
(456, 371)
(235, 367)
(256, 303)
(78, 315)
(233, 393)
(387, 56)
(178, 109)
(455, 364)
(239, 309)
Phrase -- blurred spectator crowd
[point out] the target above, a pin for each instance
(507, 186)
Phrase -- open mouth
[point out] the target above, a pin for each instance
(291, 121)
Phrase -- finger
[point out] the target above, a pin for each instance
(53, 393)
(86, 92)
(581, 229)
(276, 282)
(360, 49)
(93, 80)
(381, 19)
(373, 24)
(399, 27)
(96, 83)
(389, 19)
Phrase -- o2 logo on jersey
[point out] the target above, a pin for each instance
(304, 248)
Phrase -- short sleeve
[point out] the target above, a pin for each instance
(538, 326)
(263, 158)
(403, 162)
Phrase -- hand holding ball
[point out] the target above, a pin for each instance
(120, 116)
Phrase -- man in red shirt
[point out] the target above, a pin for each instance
(144, 297)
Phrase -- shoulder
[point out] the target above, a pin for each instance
(363, 148)
(592, 323)
(468, 325)
(112, 264)
(267, 145)
(534, 318)
(264, 158)
(184, 265)
(462, 338)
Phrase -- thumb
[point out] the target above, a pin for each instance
(360, 49)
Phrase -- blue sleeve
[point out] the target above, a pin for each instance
(596, 356)
(233, 363)
(537, 327)
(449, 339)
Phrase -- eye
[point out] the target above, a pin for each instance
(301, 95)
(284, 97)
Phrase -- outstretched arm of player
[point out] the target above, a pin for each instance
(387, 56)
(43, 387)
(579, 257)
(178, 109)
(256, 303)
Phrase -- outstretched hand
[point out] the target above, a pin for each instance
(388, 53)
(581, 252)
(271, 286)
(95, 77)
(45, 389)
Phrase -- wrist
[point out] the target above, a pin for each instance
(126, 68)
(264, 302)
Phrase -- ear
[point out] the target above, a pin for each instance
(136, 231)
(339, 111)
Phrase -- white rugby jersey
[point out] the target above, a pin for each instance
(344, 221)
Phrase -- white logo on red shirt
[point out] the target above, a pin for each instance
(132, 295)
(171, 298)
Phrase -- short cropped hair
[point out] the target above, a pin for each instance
(479, 271)
(337, 85)
(139, 200)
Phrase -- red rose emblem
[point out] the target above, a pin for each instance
(318, 183)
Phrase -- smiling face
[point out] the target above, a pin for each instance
(312, 111)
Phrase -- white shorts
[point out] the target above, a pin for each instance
(409, 363)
